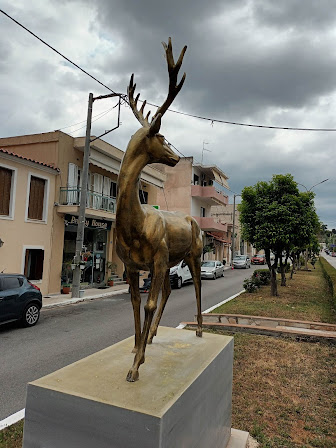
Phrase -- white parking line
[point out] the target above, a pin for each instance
(222, 303)
(14, 418)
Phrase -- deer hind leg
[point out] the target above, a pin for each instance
(150, 308)
(194, 264)
(166, 290)
(133, 277)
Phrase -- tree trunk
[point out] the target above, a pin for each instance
(274, 286)
(293, 266)
(283, 275)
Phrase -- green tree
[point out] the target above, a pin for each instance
(276, 217)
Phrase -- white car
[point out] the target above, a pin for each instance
(179, 274)
(241, 261)
(212, 269)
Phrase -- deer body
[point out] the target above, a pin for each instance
(147, 238)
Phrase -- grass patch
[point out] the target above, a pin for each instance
(306, 297)
(11, 437)
(283, 392)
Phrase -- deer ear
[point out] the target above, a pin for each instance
(155, 126)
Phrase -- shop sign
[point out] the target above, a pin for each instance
(91, 223)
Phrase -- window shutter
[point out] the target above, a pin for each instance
(5, 190)
(36, 198)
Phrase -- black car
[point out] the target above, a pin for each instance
(19, 300)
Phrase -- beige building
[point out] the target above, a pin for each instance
(58, 158)
(193, 189)
(225, 215)
(27, 191)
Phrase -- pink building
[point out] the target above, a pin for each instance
(193, 188)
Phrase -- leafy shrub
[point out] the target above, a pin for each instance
(329, 273)
(262, 276)
(250, 284)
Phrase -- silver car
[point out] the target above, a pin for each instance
(242, 261)
(212, 269)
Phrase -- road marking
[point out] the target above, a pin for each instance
(222, 303)
(14, 418)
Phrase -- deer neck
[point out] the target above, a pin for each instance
(129, 210)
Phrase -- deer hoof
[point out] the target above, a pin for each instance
(132, 376)
(199, 332)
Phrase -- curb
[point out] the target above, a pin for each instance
(84, 299)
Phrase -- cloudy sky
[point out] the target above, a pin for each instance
(248, 61)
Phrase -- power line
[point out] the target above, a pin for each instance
(211, 120)
(101, 114)
(215, 120)
(56, 51)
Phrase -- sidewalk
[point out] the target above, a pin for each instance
(53, 300)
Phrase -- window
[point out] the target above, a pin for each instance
(113, 193)
(196, 179)
(36, 198)
(33, 269)
(11, 283)
(202, 212)
(6, 176)
(143, 197)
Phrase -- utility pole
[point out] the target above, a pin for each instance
(83, 191)
(233, 230)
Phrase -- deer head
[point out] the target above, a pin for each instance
(148, 137)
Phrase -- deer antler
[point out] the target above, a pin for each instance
(173, 90)
(173, 70)
(139, 114)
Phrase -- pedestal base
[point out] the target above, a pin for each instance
(182, 399)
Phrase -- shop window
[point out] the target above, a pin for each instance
(33, 269)
(6, 181)
(37, 199)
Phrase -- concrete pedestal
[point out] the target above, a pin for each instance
(182, 399)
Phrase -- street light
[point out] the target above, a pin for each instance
(310, 189)
(325, 180)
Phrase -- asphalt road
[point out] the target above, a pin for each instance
(67, 334)
(329, 258)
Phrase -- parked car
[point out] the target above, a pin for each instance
(179, 274)
(258, 259)
(19, 300)
(241, 262)
(212, 269)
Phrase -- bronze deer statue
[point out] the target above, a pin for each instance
(147, 238)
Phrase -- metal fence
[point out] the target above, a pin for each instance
(97, 201)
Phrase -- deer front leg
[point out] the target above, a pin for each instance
(133, 277)
(166, 290)
(194, 264)
(150, 308)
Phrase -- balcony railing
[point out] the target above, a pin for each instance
(97, 201)
(209, 192)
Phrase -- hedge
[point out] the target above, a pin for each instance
(329, 273)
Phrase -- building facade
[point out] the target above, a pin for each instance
(65, 153)
(193, 189)
(27, 191)
(225, 215)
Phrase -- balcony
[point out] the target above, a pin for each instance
(210, 225)
(97, 205)
(210, 193)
